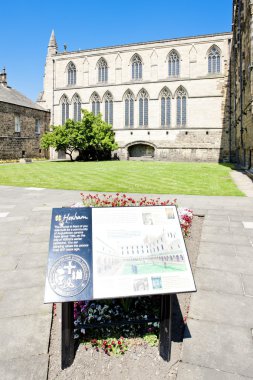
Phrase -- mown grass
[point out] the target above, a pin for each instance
(123, 176)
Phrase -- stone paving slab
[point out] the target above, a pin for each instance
(35, 261)
(224, 308)
(25, 278)
(219, 346)
(215, 229)
(42, 238)
(248, 286)
(243, 251)
(213, 249)
(19, 240)
(13, 219)
(217, 223)
(24, 336)
(8, 263)
(21, 302)
(192, 372)
(220, 211)
(219, 281)
(237, 264)
(227, 238)
(30, 230)
(216, 218)
(246, 218)
(33, 368)
(4, 206)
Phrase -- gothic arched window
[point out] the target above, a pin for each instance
(77, 108)
(214, 61)
(129, 109)
(95, 101)
(102, 70)
(64, 109)
(71, 73)
(173, 64)
(165, 108)
(136, 67)
(143, 108)
(108, 108)
(181, 97)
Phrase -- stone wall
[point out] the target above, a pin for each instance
(241, 91)
(26, 143)
(176, 144)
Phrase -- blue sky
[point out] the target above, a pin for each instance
(25, 28)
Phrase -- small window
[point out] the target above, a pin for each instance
(129, 109)
(77, 108)
(71, 73)
(64, 109)
(173, 64)
(102, 71)
(136, 67)
(214, 61)
(143, 109)
(165, 108)
(37, 127)
(181, 107)
(95, 102)
(17, 123)
(108, 108)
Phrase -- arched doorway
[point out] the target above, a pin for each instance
(141, 150)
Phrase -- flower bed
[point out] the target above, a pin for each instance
(119, 320)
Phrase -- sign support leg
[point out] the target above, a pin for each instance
(165, 326)
(67, 335)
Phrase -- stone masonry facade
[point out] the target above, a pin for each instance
(202, 136)
(26, 143)
(240, 96)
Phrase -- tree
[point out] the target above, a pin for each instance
(91, 137)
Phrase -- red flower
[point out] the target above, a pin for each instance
(119, 343)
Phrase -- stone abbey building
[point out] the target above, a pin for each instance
(165, 99)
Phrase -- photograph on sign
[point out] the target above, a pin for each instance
(139, 251)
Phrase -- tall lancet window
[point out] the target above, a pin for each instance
(173, 64)
(214, 61)
(165, 108)
(129, 109)
(71, 73)
(108, 108)
(95, 102)
(77, 108)
(64, 109)
(181, 97)
(136, 67)
(143, 108)
(102, 70)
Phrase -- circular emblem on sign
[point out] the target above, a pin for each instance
(69, 275)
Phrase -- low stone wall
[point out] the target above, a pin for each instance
(206, 145)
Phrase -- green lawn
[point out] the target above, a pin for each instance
(123, 176)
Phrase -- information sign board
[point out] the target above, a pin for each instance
(115, 252)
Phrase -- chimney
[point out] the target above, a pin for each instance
(3, 77)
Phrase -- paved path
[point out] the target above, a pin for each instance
(220, 344)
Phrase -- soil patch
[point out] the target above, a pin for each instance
(140, 361)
